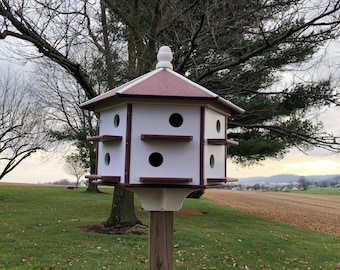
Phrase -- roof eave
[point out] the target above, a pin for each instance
(95, 105)
(234, 108)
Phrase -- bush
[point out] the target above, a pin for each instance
(196, 194)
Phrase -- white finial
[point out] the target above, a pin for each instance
(164, 57)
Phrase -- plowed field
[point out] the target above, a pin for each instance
(315, 212)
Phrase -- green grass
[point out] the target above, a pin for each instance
(320, 191)
(38, 231)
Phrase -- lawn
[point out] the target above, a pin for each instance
(39, 231)
(320, 191)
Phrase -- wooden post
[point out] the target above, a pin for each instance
(160, 240)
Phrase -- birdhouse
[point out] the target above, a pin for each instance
(162, 136)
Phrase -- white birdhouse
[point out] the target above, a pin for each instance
(161, 135)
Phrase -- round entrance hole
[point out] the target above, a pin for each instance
(218, 126)
(176, 120)
(212, 161)
(156, 159)
(116, 120)
(107, 159)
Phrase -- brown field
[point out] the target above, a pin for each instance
(315, 212)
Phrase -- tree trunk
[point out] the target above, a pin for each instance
(123, 207)
(123, 210)
(92, 188)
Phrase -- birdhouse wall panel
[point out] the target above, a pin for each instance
(165, 119)
(170, 157)
(111, 154)
(214, 153)
(113, 121)
(164, 160)
(215, 162)
(111, 159)
(215, 125)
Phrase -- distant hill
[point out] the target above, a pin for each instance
(286, 178)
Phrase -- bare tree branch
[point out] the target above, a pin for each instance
(21, 125)
(28, 33)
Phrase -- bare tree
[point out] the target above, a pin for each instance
(22, 126)
(303, 183)
(69, 125)
(74, 166)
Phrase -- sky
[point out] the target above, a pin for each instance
(42, 167)
(294, 162)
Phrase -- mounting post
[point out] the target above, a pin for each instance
(161, 240)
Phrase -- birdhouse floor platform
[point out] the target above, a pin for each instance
(164, 179)
(156, 137)
(163, 182)
(104, 138)
(221, 180)
(108, 180)
(222, 142)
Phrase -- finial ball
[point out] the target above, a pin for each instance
(164, 57)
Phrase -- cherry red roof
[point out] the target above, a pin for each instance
(162, 82)
(165, 83)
